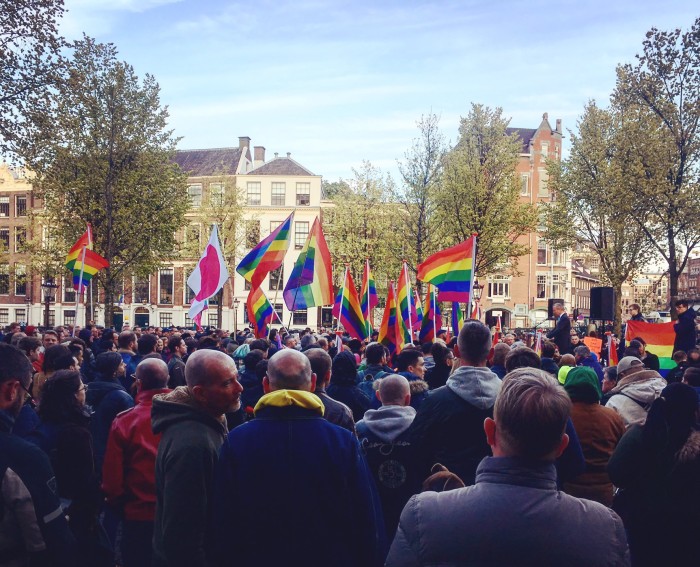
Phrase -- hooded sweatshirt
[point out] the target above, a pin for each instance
(388, 422)
(634, 394)
(187, 454)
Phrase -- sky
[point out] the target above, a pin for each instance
(338, 82)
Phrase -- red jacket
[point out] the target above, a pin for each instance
(128, 473)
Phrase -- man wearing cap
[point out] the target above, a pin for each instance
(636, 390)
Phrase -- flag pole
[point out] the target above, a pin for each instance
(432, 298)
(367, 293)
(342, 295)
(92, 303)
(80, 285)
(409, 297)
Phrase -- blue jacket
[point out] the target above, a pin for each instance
(107, 399)
(290, 488)
(592, 362)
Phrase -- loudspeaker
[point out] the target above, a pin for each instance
(550, 303)
(602, 303)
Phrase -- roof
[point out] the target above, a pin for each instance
(215, 161)
(280, 166)
(581, 271)
(525, 134)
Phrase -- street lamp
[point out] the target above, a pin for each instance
(236, 303)
(49, 296)
(478, 288)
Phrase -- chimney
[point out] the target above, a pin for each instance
(243, 142)
(558, 130)
(258, 156)
(276, 155)
(289, 154)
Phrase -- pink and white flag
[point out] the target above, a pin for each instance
(208, 277)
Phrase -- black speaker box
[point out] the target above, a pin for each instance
(550, 303)
(602, 303)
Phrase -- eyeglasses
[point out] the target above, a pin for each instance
(83, 389)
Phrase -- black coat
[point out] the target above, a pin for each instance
(561, 334)
(685, 331)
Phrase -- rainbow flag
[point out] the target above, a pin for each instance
(432, 321)
(85, 241)
(457, 318)
(260, 312)
(368, 297)
(388, 330)
(86, 266)
(659, 338)
(404, 303)
(268, 255)
(452, 271)
(417, 311)
(311, 282)
(347, 309)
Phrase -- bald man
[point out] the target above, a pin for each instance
(192, 421)
(302, 482)
(383, 435)
(128, 472)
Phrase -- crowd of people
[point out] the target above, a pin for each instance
(168, 447)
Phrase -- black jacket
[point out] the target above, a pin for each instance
(685, 331)
(335, 411)
(561, 334)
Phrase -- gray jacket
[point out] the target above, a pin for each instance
(513, 515)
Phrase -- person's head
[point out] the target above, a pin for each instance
(177, 346)
(557, 309)
(575, 339)
(374, 354)
(208, 342)
(55, 358)
(191, 343)
(474, 343)
(581, 353)
(411, 360)
(260, 344)
(634, 309)
(509, 339)
(252, 358)
(62, 397)
(30, 347)
(344, 368)
(212, 380)
(681, 306)
(691, 376)
(442, 355)
(289, 369)
(261, 370)
(548, 349)
(522, 357)
(15, 379)
(14, 341)
(639, 343)
(49, 339)
(321, 364)
(77, 351)
(500, 351)
(529, 417)
(290, 342)
(127, 340)
(582, 385)
(672, 418)
(609, 378)
(323, 343)
(394, 390)
(679, 356)
(567, 360)
(629, 365)
(110, 365)
(152, 374)
(694, 355)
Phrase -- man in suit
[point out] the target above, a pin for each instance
(561, 334)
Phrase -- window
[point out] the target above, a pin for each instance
(188, 321)
(301, 231)
(216, 195)
(543, 190)
(4, 316)
(545, 150)
(278, 193)
(166, 319)
(20, 279)
(254, 192)
(4, 279)
(68, 291)
(4, 239)
(4, 206)
(299, 317)
(20, 238)
(195, 193)
(21, 206)
(21, 314)
(189, 294)
(277, 279)
(193, 236)
(524, 184)
(541, 252)
(278, 310)
(541, 286)
(165, 286)
(142, 290)
(303, 194)
(247, 285)
(557, 286)
(212, 318)
(252, 233)
(499, 287)
(69, 317)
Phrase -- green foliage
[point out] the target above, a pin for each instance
(106, 159)
(479, 193)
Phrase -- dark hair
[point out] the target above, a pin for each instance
(146, 344)
(76, 349)
(407, 357)
(640, 340)
(28, 344)
(374, 353)
(440, 354)
(500, 351)
(427, 348)
(355, 345)
(125, 339)
(58, 401)
(252, 358)
(522, 357)
(208, 342)
(474, 342)
(670, 421)
(320, 363)
(107, 364)
(191, 343)
(611, 373)
(54, 358)
(678, 356)
(548, 349)
(261, 369)
(174, 342)
(260, 344)
(683, 302)
(15, 365)
(692, 376)
(344, 368)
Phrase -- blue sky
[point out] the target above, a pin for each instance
(337, 82)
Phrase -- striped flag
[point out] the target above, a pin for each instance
(432, 321)
(85, 267)
(368, 297)
(267, 256)
(452, 271)
(388, 328)
(208, 277)
(457, 318)
(417, 312)
(347, 308)
(404, 304)
(85, 241)
(260, 312)
(659, 337)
